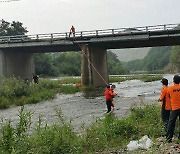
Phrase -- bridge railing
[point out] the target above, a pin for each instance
(92, 33)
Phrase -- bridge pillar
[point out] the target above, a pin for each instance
(94, 66)
(17, 64)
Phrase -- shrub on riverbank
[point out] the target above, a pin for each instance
(112, 132)
(145, 78)
(108, 133)
(16, 92)
(44, 139)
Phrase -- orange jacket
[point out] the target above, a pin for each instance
(174, 92)
(108, 94)
(164, 98)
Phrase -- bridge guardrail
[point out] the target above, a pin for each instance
(92, 33)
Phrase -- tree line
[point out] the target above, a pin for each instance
(69, 64)
(159, 59)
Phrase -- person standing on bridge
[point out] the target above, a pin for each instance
(72, 31)
(165, 103)
(174, 92)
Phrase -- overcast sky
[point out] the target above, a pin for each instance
(55, 16)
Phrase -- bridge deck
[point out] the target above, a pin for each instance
(160, 35)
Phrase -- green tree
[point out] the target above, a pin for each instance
(44, 64)
(175, 57)
(14, 28)
(156, 59)
(115, 67)
(69, 64)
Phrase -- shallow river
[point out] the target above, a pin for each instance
(81, 111)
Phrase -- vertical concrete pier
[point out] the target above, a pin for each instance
(17, 64)
(94, 66)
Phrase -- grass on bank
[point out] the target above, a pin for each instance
(16, 92)
(144, 78)
(108, 133)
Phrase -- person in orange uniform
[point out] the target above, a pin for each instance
(165, 103)
(72, 31)
(174, 92)
(109, 97)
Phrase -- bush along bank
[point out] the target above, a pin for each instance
(17, 92)
(102, 136)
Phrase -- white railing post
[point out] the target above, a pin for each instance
(164, 27)
(112, 31)
(37, 37)
(66, 35)
(96, 32)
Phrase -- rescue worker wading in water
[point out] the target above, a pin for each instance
(109, 97)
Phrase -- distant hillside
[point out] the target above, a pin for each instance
(156, 60)
(126, 55)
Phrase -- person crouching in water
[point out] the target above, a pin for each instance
(109, 97)
(165, 103)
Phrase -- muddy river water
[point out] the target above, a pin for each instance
(81, 111)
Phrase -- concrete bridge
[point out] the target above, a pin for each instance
(16, 52)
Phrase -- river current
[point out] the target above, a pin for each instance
(82, 112)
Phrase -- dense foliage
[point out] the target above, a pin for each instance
(115, 67)
(17, 92)
(44, 64)
(175, 58)
(69, 64)
(14, 28)
(157, 59)
(102, 136)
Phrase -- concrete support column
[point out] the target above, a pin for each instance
(85, 67)
(94, 70)
(17, 64)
